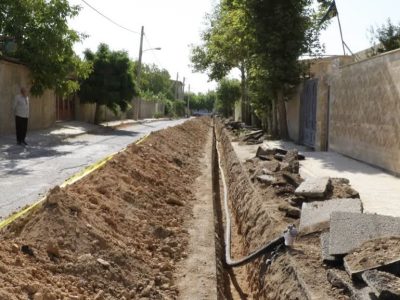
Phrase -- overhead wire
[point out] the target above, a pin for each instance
(109, 19)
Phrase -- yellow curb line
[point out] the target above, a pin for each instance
(69, 181)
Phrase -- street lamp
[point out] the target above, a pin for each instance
(139, 68)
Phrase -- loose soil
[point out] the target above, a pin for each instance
(297, 273)
(197, 277)
(116, 234)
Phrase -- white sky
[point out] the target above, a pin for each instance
(175, 24)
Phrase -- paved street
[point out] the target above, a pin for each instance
(28, 173)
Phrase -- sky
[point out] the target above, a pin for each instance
(174, 25)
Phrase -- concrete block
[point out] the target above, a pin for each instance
(315, 216)
(384, 285)
(264, 150)
(339, 279)
(313, 187)
(266, 179)
(325, 249)
(382, 254)
(349, 231)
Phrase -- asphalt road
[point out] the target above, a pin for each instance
(26, 174)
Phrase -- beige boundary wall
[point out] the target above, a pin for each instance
(85, 112)
(365, 111)
(42, 109)
(319, 69)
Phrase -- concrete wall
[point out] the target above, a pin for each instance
(365, 111)
(148, 109)
(320, 69)
(42, 109)
(85, 112)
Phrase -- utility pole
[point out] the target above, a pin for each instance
(139, 71)
(188, 105)
(176, 86)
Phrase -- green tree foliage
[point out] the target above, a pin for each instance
(202, 101)
(228, 43)
(155, 83)
(284, 30)
(111, 81)
(228, 93)
(385, 38)
(44, 42)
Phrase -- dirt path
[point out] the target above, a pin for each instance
(197, 279)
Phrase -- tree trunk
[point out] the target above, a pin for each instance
(274, 119)
(245, 104)
(97, 114)
(283, 128)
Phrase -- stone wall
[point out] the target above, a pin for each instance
(42, 109)
(365, 111)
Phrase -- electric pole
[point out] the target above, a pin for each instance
(188, 105)
(139, 71)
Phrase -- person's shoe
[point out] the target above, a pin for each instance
(19, 143)
(25, 143)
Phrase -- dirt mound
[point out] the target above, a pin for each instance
(116, 234)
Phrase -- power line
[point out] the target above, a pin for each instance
(152, 52)
(110, 20)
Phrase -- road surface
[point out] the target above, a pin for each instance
(26, 174)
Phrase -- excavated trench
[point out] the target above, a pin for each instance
(257, 219)
(82, 244)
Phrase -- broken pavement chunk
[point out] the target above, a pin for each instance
(264, 150)
(384, 285)
(266, 179)
(315, 216)
(349, 231)
(382, 254)
(313, 187)
(325, 249)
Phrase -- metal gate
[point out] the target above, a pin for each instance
(308, 112)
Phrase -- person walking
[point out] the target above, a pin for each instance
(21, 112)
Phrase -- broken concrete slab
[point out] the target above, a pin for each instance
(290, 211)
(264, 157)
(293, 179)
(349, 231)
(382, 254)
(264, 150)
(384, 285)
(339, 279)
(313, 187)
(325, 249)
(279, 156)
(266, 179)
(315, 216)
(253, 135)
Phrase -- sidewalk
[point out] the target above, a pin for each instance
(379, 190)
(67, 129)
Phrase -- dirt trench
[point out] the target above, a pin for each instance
(150, 225)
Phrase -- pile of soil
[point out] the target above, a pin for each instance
(116, 234)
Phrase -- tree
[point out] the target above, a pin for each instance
(44, 42)
(284, 30)
(387, 36)
(111, 81)
(201, 101)
(155, 83)
(227, 44)
(228, 93)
